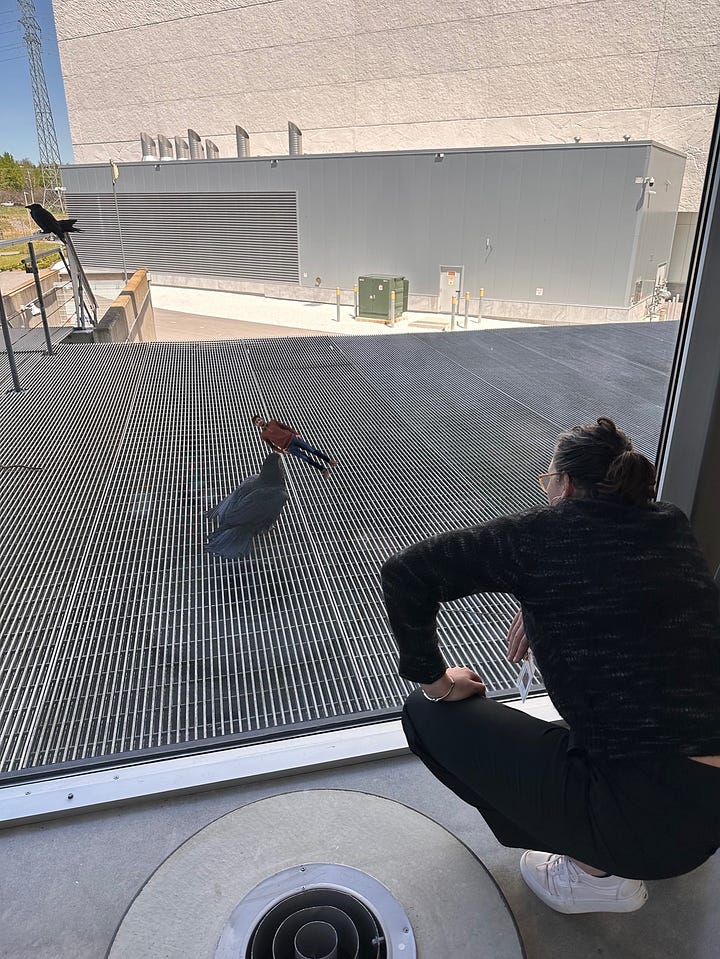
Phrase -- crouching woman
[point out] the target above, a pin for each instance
(621, 613)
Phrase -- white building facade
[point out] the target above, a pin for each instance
(359, 75)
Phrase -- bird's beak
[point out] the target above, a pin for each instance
(27, 207)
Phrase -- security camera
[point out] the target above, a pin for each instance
(651, 182)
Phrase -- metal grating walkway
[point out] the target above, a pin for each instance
(118, 633)
(28, 345)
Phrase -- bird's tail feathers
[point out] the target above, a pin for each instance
(68, 226)
(230, 544)
(216, 512)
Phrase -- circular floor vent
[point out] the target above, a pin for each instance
(318, 911)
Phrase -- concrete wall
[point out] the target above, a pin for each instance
(682, 249)
(391, 74)
(130, 318)
(659, 205)
(24, 293)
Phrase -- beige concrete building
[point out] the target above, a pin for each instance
(361, 75)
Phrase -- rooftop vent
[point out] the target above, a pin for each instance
(149, 150)
(243, 141)
(166, 148)
(196, 147)
(295, 139)
(182, 150)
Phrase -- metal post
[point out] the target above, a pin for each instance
(337, 303)
(82, 283)
(480, 304)
(8, 347)
(392, 307)
(76, 287)
(115, 173)
(41, 301)
(467, 309)
(356, 305)
(453, 310)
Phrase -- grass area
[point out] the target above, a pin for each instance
(15, 221)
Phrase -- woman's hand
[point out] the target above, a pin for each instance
(467, 683)
(517, 640)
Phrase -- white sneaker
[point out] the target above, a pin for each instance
(566, 888)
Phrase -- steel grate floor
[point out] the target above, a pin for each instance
(28, 347)
(118, 633)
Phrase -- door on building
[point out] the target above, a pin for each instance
(450, 286)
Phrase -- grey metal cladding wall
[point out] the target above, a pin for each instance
(659, 206)
(250, 235)
(560, 219)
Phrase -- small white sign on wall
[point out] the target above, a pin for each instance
(539, 290)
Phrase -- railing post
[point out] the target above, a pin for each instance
(41, 301)
(467, 309)
(392, 307)
(76, 287)
(356, 306)
(80, 285)
(9, 347)
(114, 176)
(480, 304)
(337, 303)
(453, 309)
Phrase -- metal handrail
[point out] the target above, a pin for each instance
(26, 260)
(86, 305)
(84, 284)
(32, 238)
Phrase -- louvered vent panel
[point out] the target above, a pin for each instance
(252, 236)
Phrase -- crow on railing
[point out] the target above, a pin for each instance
(49, 224)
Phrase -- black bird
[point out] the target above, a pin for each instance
(250, 509)
(48, 224)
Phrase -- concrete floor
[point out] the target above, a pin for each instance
(295, 314)
(174, 326)
(65, 884)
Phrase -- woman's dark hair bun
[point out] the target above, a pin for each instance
(630, 475)
(600, 460)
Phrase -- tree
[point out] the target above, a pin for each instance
(17, 175)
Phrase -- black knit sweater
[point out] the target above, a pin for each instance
(619, 609)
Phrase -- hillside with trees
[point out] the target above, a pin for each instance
(20, 183)
(17, 177)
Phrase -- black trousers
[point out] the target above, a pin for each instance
(640, 819)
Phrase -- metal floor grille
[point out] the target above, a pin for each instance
(28, 347)
(118, 633)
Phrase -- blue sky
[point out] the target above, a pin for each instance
(17, 116)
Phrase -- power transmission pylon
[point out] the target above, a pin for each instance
(53, 193)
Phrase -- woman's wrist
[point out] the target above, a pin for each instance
(439, 688)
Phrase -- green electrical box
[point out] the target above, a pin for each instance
(374, 296)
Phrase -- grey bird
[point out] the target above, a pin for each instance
(250, 509)
(49, 224)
